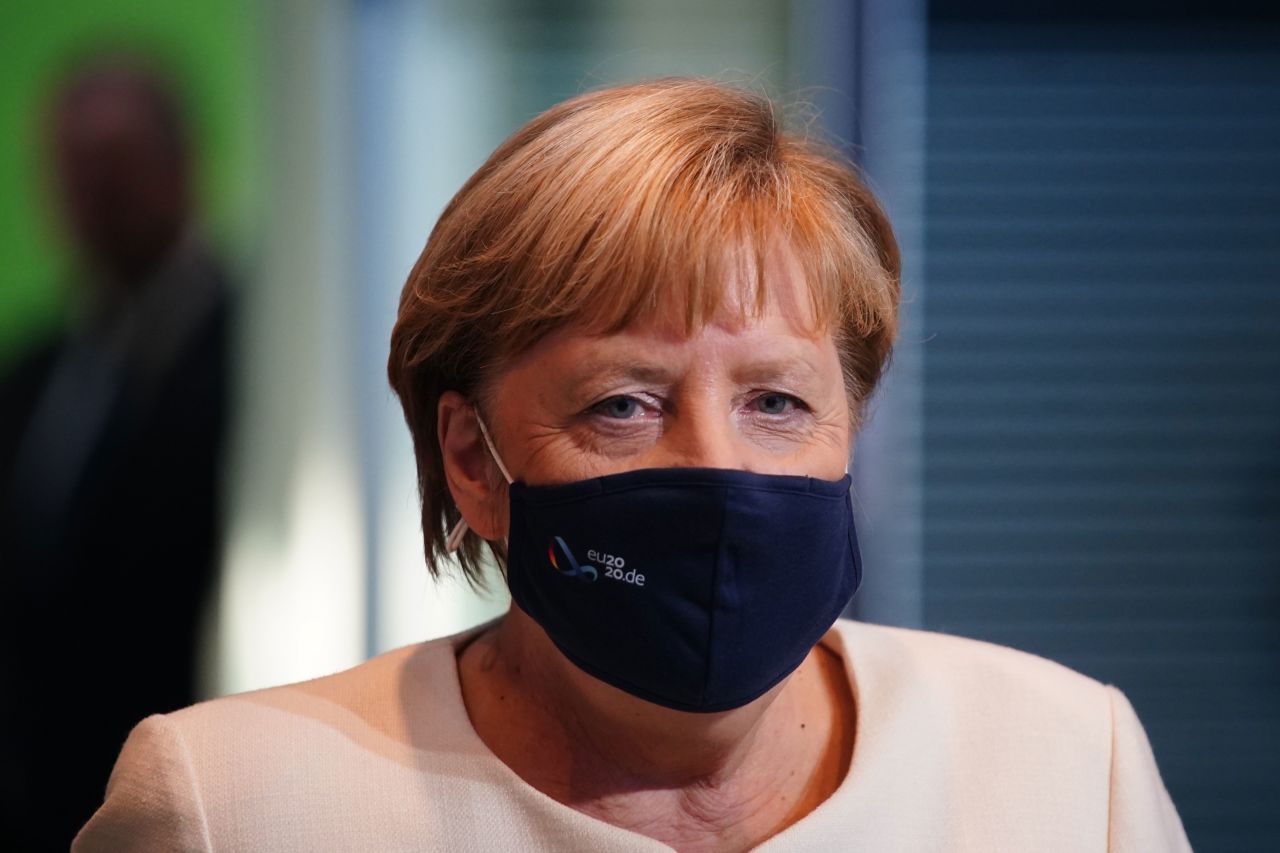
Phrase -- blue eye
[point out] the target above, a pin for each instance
(773, 404)
(621, 408)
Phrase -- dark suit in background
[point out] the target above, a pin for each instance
(111, 439)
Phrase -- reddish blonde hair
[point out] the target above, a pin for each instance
(611, 207)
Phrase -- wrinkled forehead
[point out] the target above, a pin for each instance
(748, 287)
(742, 284)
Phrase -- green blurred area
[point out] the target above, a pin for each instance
(210, 48)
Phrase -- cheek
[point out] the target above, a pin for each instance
(826, 454)
(555, 455)
(830, 447)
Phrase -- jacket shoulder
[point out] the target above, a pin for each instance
(397, 698)
(152, 800)
(963, 658)
(1017, 714)
(990, 680)
(216, 770)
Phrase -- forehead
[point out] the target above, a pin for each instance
(749, 329)
(749, 288)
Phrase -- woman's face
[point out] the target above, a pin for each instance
(763, 395)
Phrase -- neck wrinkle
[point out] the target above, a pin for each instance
(577, 744)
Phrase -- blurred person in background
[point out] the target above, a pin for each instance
(633, 357)
(110, 447)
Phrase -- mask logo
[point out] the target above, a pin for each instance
(570, 568)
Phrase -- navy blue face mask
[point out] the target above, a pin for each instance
(697, 589)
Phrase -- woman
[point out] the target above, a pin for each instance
(632, 357)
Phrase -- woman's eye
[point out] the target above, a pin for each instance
(621, 408)
(774, 404)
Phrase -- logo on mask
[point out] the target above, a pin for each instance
(570, 568)
(614, 566)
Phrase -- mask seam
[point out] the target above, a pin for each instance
(715, 594)
(855, 550)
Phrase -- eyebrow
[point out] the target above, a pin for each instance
(791, 370)
(796, 372)
(612, 369)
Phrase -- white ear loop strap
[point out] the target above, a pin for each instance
(493, 451)
(453, 541)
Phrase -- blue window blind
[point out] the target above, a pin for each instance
(1102, 381)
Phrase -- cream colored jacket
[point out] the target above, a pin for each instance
(960, 746)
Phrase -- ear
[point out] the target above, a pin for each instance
(477, 486)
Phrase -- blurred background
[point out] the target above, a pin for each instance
(1076, 452)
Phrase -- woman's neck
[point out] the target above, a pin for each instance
(726, 780)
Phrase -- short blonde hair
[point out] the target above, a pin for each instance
(609, 208)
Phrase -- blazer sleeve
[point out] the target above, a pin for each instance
(153, 801)
(1142, 814)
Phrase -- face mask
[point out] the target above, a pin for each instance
(697, 589)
